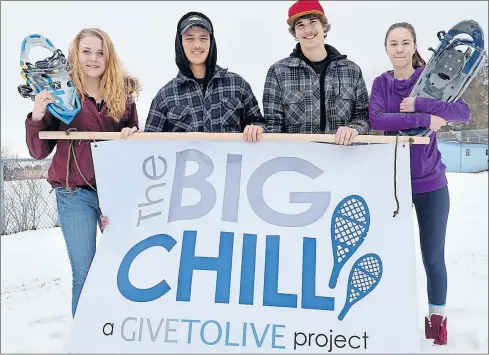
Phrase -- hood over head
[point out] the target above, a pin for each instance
(194, 18)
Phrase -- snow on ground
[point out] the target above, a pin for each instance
(36, 281)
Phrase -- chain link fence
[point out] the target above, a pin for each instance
(27, 202)
(473, 136)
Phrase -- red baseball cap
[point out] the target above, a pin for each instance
(304, 7)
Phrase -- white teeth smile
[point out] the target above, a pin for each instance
(92, 66)
(310, 37)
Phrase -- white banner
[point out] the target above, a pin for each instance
(227, 247)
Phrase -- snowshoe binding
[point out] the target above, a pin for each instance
(450, 70)
(52, 74)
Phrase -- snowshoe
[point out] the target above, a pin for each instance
(450, 69)
(51, 74)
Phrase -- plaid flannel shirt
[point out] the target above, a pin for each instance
(291, 98)
(227, 106)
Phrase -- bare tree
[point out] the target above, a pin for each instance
(26, 198)
(476, 98)
(5, 152)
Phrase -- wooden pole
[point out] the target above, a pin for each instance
(200, 136)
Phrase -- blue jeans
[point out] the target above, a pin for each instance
(432, 211)
(79, 214)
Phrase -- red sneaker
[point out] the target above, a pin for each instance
(427, 328)
(438, 326)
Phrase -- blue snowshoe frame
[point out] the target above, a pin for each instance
(50, 74)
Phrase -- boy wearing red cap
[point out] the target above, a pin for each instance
(315, 89)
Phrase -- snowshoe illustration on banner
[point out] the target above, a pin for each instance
(364, 278)
(350, 223)
(451, 68)
(50, 74)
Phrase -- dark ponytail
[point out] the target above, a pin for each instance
(418, 61)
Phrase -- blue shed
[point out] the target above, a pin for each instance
(464, 157)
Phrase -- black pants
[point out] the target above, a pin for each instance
(432, 211)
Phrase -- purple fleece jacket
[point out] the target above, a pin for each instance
(427, 169)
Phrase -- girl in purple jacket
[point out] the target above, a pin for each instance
(391, 109)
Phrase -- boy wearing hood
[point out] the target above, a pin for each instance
(203, 97)
(315, 89)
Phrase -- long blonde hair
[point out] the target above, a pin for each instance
(117, 87)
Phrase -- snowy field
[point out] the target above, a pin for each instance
(36, 281)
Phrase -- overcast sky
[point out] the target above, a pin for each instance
(250, 36)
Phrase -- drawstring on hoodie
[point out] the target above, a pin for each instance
(71, 151)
